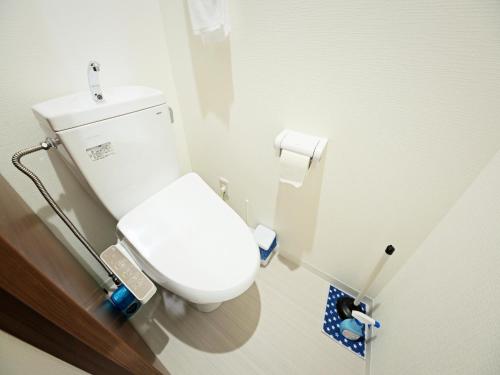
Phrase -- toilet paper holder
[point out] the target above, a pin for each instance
(304, 144)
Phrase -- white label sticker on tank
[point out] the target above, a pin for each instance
(100, 151)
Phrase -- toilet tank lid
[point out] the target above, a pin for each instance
(80, 109)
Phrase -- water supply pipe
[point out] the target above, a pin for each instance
(46, 145)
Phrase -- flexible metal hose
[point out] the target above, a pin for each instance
(46, 145)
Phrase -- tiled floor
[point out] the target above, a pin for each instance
(273, 328)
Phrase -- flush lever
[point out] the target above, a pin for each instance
(94, 83)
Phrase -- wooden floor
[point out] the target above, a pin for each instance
(273, 328)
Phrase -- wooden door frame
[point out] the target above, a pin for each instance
(48, 300)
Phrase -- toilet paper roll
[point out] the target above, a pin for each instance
(293, 168)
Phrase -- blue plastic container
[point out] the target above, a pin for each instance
(267, 241)
(123, 300)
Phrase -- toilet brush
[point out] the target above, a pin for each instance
(346, 305)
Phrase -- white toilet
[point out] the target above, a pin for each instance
(176, 228)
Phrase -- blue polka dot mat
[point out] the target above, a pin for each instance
(332, 321)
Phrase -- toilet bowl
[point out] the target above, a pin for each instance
(191, 243)
(179, 232)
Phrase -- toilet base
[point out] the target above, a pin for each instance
(176, 306)
(206, 307)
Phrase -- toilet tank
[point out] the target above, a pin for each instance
(123, 147)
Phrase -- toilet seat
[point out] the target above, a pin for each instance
(191, 242)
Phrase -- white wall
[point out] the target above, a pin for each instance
(20, 358)
(45, 48)
(440, 312)
(407, 92)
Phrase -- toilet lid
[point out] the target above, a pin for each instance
(192, 242)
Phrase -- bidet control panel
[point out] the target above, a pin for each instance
(129, 274)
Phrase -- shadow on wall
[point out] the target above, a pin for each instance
(220, 331)
(296, 215)
(212, 70)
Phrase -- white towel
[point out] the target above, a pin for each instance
(210, 19)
